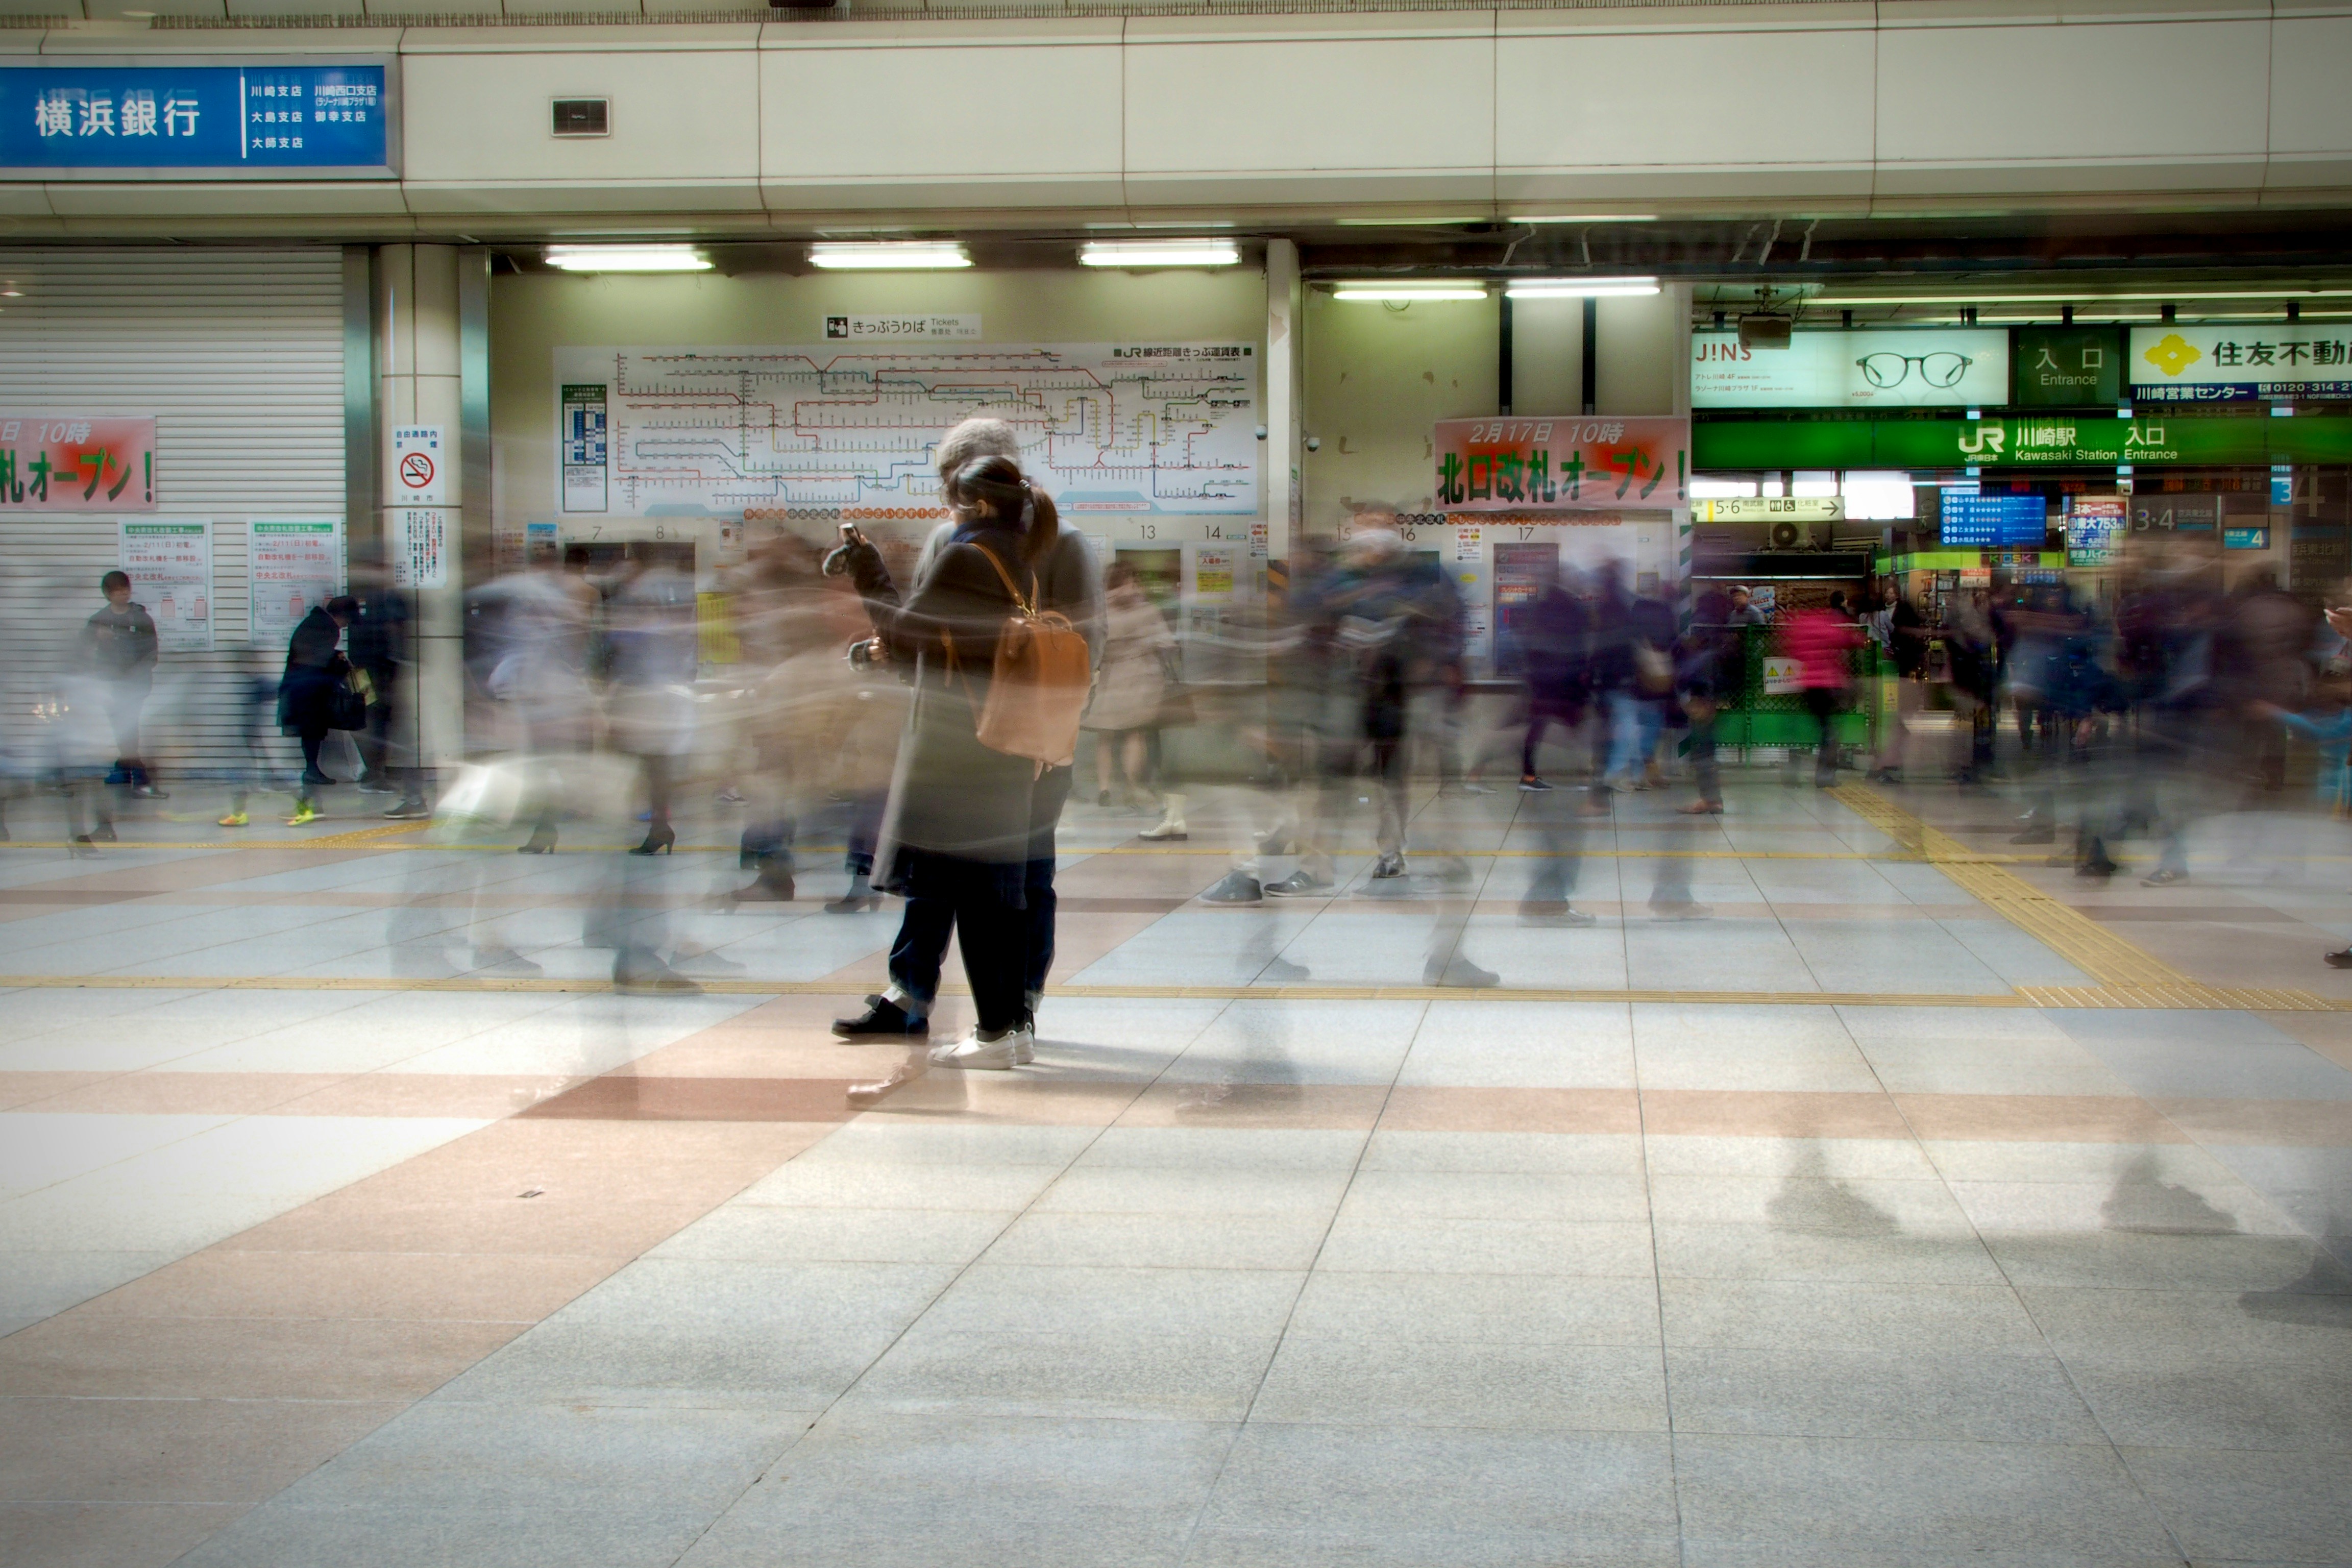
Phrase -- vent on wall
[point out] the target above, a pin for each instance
(583, 117)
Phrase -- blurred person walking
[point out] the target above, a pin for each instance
(1907, 635)
(118, 649)
(1557, 646)
(1821, 639)
(1972, 646)
(313, 695)
(378, 642)
(1131, 685)
(1707, 674)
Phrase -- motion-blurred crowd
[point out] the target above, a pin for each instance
(848, 688)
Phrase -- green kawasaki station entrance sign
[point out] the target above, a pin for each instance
(2023, 443)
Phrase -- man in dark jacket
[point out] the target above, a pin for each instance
(118, 648)
(378, 640)
(315, 668)
(1557, 647)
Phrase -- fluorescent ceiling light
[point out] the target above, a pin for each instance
(627, 259)
(1579, 287)
(2091, 297)
(1584, 217)
(1196, 223)
(1409, 222)
(1405, 288)
(1158, 253)
(891, 254)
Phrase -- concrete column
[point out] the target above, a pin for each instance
(417, 368)
(1285, 384)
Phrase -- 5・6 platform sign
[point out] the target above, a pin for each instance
(108, 118)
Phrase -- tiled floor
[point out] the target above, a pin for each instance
(1797, 1235)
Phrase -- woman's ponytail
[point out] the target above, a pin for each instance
(1041, 523)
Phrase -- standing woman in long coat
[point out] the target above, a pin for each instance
(955, 834)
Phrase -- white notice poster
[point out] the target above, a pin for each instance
(294, 566)
(420, 548)
(171, 564)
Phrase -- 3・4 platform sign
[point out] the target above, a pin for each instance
(58, 462)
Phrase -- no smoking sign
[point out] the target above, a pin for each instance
(419, 474)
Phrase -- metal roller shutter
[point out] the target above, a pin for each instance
(238, 353)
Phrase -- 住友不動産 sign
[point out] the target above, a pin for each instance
(68, 119)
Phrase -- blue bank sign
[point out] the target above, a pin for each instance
(114, 119)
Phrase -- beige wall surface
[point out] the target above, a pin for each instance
(1959, 106)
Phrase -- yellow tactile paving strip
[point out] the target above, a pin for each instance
(2128, 976)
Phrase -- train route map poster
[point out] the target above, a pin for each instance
(846, 432)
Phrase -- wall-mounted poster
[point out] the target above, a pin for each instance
(420, 548)
(294, 566)
(170, 561)
(1900, 368)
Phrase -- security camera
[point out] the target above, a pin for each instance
(1315, 443)
(1261, 432)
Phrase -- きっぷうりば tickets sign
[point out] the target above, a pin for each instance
(72, 462)
(1561, 464)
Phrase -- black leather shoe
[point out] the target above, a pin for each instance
(882, 1018)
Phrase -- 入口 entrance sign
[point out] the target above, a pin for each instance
(57, 462)
(1561, 464)
(1842, 369)
(2069, 367)
(90, 116)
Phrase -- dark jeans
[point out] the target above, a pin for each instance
(1542, 714)
(313, 737)
(966, 897)
(1704, 765)
(124, 704)
(1046, 801)
(1821, 702)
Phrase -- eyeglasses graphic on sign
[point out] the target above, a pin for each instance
(1892, 369)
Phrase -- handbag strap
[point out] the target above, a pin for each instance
(1027, 607)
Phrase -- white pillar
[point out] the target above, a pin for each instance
(1279, 492)
(417, 384)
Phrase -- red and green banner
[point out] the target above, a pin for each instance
(61, 462)
(1561, 464)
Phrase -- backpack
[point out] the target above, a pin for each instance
(1039, 689)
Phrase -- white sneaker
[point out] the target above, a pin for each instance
(999, 1055)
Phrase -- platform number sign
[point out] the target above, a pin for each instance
(419, 471)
